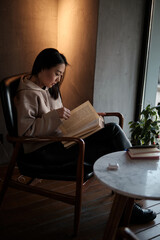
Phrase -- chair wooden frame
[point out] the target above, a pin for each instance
(125, 233)
(75, 200)
(17, 143)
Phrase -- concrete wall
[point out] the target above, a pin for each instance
(118, 46)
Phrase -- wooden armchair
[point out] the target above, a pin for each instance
(8, 87)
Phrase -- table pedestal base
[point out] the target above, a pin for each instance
(119, 216)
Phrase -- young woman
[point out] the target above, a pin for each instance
(40, 111)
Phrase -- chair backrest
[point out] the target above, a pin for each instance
(8, 89)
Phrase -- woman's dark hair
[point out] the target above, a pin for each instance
(47, 59)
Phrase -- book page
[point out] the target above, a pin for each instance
(82, 118)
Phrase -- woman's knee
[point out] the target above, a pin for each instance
(113, 127)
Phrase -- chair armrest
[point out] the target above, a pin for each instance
(13, 139)
(113, 114)
(18, 141)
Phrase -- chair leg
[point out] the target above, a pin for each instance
(78, 205)
(5, 183)
(77, 215)
(9, 173)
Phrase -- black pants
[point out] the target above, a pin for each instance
(109, 139)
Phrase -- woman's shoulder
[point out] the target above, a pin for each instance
(27, 84)
(28, 88)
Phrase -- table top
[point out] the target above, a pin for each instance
(134, 178)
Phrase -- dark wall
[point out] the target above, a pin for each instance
(26, 28)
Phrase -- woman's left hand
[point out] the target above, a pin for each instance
(64, 113)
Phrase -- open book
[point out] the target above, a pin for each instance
(83, 122)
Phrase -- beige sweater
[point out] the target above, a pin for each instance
(36, 112)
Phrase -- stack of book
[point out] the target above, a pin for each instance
(144, 152)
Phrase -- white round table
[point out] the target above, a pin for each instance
(132, 179)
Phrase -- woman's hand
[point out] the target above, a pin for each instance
(63, 113)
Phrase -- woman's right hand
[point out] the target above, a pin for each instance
(64, 113)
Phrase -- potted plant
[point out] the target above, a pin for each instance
(146, 131)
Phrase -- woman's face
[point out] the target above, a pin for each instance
(49, 77)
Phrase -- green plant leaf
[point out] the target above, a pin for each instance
(146, 130)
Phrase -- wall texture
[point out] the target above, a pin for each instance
(27, 27)
(77, 35)
(71, 25)
(118, 47)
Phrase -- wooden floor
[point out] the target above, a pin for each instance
(27, 216)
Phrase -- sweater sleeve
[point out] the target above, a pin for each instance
(34, 117)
